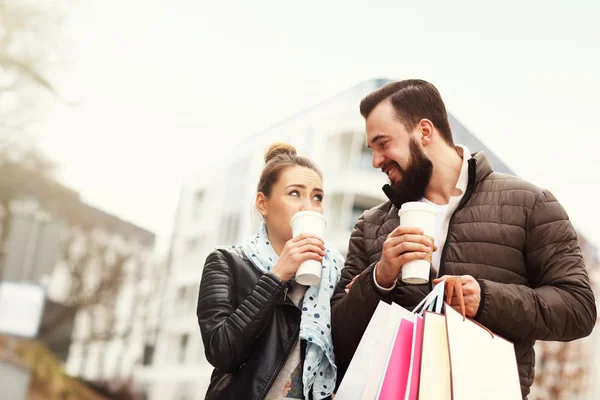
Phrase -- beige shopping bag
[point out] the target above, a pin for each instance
(482, 365)
(434, 380)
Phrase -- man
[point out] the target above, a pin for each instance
(511, 242)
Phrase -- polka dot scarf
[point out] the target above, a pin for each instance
(319, 374)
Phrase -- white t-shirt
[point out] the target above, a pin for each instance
(440, 233)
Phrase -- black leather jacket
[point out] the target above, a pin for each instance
(248, 325)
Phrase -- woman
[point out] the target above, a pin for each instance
(267, 336)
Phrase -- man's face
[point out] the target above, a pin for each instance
(398, 153)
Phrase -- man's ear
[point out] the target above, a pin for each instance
(426, 129)
(261, 203)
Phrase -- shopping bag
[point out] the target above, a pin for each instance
(434, 367)
(366, 373)
(461, 359)
(382, 357)
(483, 365)
(412, 386)
(397, 372)
(396, 375)
(434, 376)
(355, 379)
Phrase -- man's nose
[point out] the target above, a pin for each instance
(377, 160)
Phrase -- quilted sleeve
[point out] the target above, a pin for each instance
(560, 304)
(352, 312)
(229, 332)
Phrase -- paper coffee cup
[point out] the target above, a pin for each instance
(420, 215)
(313, 222)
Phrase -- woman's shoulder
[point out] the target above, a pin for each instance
(227, 255)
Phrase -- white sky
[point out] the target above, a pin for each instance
(165, 87)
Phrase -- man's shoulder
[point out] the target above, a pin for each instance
(500, 182)
(378, 214)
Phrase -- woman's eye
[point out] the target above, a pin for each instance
(318, 197)
(294, 193)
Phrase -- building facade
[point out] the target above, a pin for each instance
(99, 273)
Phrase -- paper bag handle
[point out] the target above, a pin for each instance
(455, 284)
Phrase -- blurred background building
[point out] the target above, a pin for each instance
(216, 208)
(99, 274)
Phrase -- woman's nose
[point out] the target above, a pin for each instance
(308, 205)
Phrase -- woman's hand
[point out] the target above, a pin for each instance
(304, 246)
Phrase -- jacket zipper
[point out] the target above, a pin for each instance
(282, 361)
(288, 349)
(466, 197)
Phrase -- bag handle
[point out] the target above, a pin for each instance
(455, 285)
(429, 299)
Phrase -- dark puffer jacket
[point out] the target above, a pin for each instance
(513, 237)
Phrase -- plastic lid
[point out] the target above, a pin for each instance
(308, 213)
(417, 206)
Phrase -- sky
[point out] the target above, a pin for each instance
(162, 88)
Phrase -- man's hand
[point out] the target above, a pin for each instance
(403, 244)
(471, 294)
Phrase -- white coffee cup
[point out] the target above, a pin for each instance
(313, 222)
(420, 215)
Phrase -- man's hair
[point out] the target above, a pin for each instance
(413, 100)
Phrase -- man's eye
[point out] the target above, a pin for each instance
(382, 145)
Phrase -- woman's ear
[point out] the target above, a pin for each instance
(261, 204)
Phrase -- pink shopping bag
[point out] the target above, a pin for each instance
(396, 375)
(412, 390)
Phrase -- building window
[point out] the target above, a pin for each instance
(186, 300)
(148, 354)
(180, 294)
(360, 204)
(183, 343)
(144, 391)
(356, 213)
(184, 392)
(197, 205)
(365, 161)
(192, 244)
(230, 224)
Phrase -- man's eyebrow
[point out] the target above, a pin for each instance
(375, 140)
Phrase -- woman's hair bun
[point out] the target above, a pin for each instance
(279, 148)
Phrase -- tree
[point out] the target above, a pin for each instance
(30, 34)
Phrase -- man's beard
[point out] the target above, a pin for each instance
(415, 179)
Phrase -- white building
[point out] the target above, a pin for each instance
(99, 273)
(216, 208)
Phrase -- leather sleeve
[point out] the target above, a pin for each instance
(351, 313)
(560, 304)
(228, 332)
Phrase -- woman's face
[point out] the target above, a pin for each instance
(297, 189)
